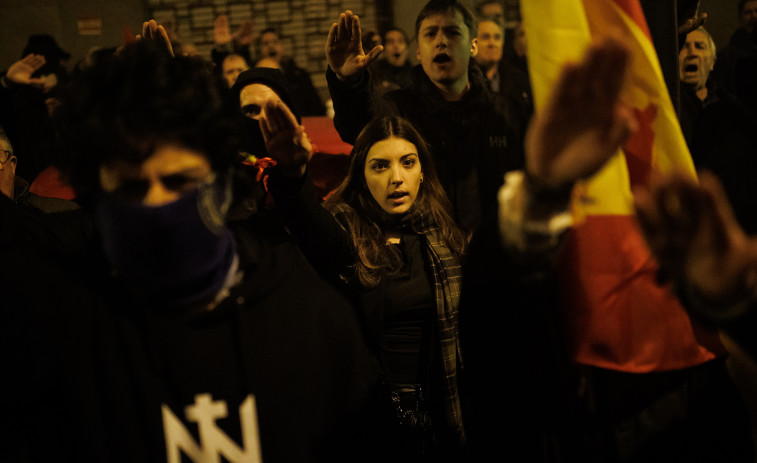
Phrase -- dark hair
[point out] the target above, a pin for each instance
(271, 78)
(236, 55)
(367, 40)
(435, 7)
(259, 38)
(481, 4)
(493, 19)
(392, 29)
(124, 107)
(365, 217)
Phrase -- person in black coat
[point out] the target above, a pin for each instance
(181, 333)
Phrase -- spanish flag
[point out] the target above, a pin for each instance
(617, 315)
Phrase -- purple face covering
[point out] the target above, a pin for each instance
(176, 255)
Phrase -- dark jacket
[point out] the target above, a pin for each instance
(23, 195)
(735, 68)
(330, 249)
(472, 144)
(24, 117)
(720, 134)
(386, 77)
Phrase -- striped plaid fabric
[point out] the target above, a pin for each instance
(447, 274)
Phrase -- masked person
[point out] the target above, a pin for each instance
(185, 335)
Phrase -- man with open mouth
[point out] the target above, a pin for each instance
(718, 127)
(696, 60)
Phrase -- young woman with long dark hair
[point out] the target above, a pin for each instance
(387, 237)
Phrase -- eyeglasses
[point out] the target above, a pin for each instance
(5, 156)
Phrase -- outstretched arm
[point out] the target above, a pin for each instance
(580, 127)
(699, 245)
(221, 31)
(222, 35)
(344, 49)
(692, 231)
(584, 123)
(151, 30)
(21, 71)
(323, 240)
(285, 139)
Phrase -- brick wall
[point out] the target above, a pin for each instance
(303, 24)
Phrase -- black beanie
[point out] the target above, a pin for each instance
(270, 77)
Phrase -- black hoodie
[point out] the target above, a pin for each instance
(95, 376)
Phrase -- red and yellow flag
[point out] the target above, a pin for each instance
(617, 316)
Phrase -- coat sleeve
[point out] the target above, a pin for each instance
(325, 243)
(353, 105)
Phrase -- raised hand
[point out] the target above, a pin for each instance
(151, 30)
(692, 23)
(692, 231)
(285, 139)
(344, 50)
(583, 124)
(221, 31)
(244, 35)
(21, 71)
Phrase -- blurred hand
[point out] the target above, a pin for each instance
(157, 33)
(584, 123)
(692, 23)
(692, 231)
(344, 50)
(244, 35)
(285, 139)
(21, 71)
(221, 31)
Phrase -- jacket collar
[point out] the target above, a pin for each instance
(476, 95)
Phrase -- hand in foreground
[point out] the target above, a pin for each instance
(21, 71)
(583, 124)
(692, 231)
(344, 49)
(285, 139)
(152, 31)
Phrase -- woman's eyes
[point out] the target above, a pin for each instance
(383, 165)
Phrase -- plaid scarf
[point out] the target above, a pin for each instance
(447, 276)
(446, 271)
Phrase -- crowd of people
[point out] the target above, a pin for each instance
(203, 296)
